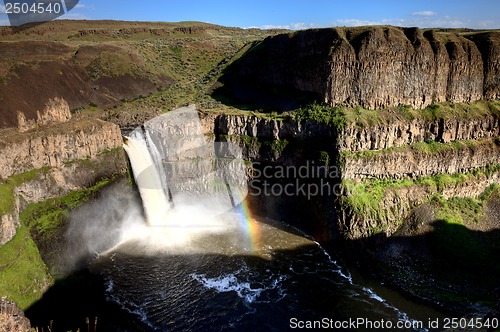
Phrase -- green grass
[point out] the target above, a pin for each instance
(455, 240)
(8, 185)
(365, 198)
(45, 218)
(428, 148)
(23, 274)
(445, 110)
(250, 141)
(457, 210)
(276, 146)
(324, 158)
(362, 117)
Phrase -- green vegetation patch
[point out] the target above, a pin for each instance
(458, 210)
(45, 218)
(365, 198)
(251, 142)
(333, 116)
(23, 274)
(113, 64)
(276, 146)
(455, 240)
(340, 116)
(7, 187)
(428, 148)
(446, 110)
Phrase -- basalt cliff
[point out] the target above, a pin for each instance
(375, 67)
(404, 156)
(52, 156)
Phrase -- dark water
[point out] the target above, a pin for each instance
(201, 274)
(176, 289)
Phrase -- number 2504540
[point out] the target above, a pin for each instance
(474, 323)
(35, 8)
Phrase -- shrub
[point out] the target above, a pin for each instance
(333, 116)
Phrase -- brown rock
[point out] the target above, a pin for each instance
(12, 318)
(376, 67)
(56, 111)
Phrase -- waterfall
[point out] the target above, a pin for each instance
(148, 180)
(175, 165)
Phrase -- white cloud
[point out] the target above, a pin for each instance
(302, 26)
(270, 26)
(436, 21)
(72, 16)
(2, 9)
(425, 13)
(353, 22)
(421, 21)
(292, 26)
(79, 6)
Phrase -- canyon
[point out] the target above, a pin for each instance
(416, 126)
(393, 151)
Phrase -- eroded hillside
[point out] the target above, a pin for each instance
(103, 64)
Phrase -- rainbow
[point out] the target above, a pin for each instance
(249, 226)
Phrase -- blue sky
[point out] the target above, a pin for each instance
(296, 14)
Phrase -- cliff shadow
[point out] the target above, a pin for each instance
(77, 302)
(242, 87)
(452, 267)
(128, 291)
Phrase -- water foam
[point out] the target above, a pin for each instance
(240, 283)
(402, 316)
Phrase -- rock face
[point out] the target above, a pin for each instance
(12, 318)
(55, 145)
(73, 155)
(393, 150)
(56, 111)
(402, 133)
(375, 67)
(8, 226)
(254, 126)
(59, 181)
(398, 203)
(411, 163)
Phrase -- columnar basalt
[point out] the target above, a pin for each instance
(412, 150)
(55, 145)
(375, 67)
(69, 154)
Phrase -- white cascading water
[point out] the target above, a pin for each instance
(147, 177)
(187, 185)
(191, 187)
(174, 165)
